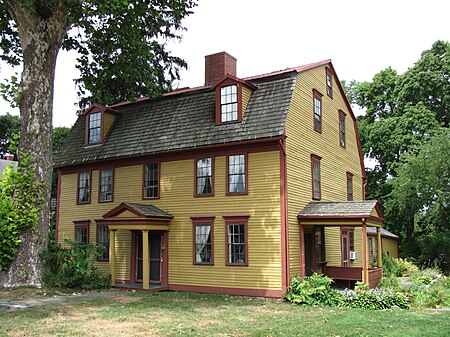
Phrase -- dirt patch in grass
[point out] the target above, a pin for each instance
(23, 293)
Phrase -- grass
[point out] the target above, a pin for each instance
(190, 314)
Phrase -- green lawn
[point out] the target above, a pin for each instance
(188, 314)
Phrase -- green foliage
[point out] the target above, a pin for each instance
(10, 91)
(9, 125)
(73, 266)
(313, 290)
(20, 202)
(390, 266)
(406, 267)
(390, 282)
(376, 299)
(316, 290)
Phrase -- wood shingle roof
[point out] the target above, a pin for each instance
(183, 121)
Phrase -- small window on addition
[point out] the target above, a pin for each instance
(228, 103)
(329, 79)
(151, 180)
(317, 109)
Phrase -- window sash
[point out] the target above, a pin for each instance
(349, 188)
(103, 239)
(329, 84)
(95, 127)
(204, 176)
(236, 174)
(342, 130)
(106, 177)
(151, 180)
(81, 234)
(236, 244)
(316, 179)
(203, 244)
(228, 103)
(84, 187)
(317, 113)
(319, 241)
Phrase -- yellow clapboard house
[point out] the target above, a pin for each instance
(233, 187)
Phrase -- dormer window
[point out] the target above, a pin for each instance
(232, 98)
(228, 103)
(95, 124)
(98, 120)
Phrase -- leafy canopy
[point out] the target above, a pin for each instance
(121, 44)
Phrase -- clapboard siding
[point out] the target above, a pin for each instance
(262, 203)
(302, 141)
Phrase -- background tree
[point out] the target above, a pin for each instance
(9, 125)
(123, 55)
(404, 115)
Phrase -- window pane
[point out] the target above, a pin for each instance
(203, 244)
(103, 240)
(106, 185)
(83, 187)
(204, 176)
(151, 180)
(236, 174)
(236, 244)
(228, 102)
(94, 127)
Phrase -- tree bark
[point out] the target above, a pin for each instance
(40, 39)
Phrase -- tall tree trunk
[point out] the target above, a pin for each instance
(41, 33)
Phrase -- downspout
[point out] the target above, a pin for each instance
(285, 277)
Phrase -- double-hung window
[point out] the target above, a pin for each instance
(151, 180)
(84, 188)
(315, 177)
(228, 103)
(103, 240)
(204, 177)
(237, 174)
(82, 231)
(203, 231)
(349, 186)
(106, 185)
(317, 109)
(329, 79)
(236, 240)
(341, 128)
(94, 134)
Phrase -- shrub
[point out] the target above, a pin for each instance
(390, 266)
(313, 290)
(73, 266)
(391, 282)
(376, 299)
(436, 296)
(406, 267)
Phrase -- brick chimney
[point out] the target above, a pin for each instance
(217, 66)
(9, 156)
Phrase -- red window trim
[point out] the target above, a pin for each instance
(96, 240)
(100, 184)
(342, 116)
(317, 95)
(246, 174)
(78, 188)
(328, 72)
(200, 220)
(81, 224)
(315, 159)
(212, 177)
(88, 116)
(143, 180)
(236, 219)
(227, 83)
(350, 177)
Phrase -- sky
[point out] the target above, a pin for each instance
(361, 37)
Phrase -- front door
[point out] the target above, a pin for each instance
(155, 257)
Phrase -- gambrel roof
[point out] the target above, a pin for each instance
(183, 121)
